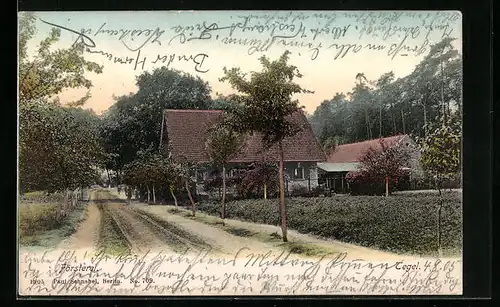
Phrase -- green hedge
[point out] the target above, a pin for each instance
(402, 224)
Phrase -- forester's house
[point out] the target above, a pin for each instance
(345, 158)
(184, 133)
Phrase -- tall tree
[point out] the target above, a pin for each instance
(166, 89)
(331, 122)
(406, 105)
(266, 106)
(441, 157)
(222, 144)
(59, 147)
(383, 97)
(362, 94)
(134, 122)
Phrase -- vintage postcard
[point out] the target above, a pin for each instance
(240, 153)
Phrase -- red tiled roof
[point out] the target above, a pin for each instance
(349, 153)
(186, 132)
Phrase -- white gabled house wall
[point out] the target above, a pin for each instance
(297, 174)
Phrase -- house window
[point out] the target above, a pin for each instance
(298, 173)
(200, 176)
(233, 172)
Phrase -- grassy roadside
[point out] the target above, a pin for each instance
(295, 247)
(39, 223)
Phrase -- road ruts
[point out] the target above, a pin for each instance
(143, 232)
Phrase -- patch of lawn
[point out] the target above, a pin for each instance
(40, 224)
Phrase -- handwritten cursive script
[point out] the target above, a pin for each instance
(334, 35)
(246, 272)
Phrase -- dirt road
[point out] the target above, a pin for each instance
(142, 232)
(87, 232)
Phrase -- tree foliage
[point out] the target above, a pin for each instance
(59, 148)
(49, 72)
(223, 143)
(390, 162)
(441, 150)
(389, 106)
(133, 123)
(441, 158)
(258, 175)
(265, 105)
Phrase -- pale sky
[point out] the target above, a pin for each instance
(404, 39)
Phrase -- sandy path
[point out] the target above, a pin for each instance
(87, 233)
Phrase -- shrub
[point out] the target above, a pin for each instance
(212, 184)
(298, 190)
(317, 191)
(404, 224)
(251, 184)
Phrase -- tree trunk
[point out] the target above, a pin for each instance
(282, 192)
(173, 196)
(119, 177)
(154, 195)
(346, 130)
(223, 203)
(65, 202)
(403, 120)
(440, 209)
(74, 199)
(442, 92)
(425, 120)
(386, 186)
(380, 122)
(368, 126)
(128, 190)
(149, 194)
(109, 178)
(190, 197)
(265, 191)
(395, 129)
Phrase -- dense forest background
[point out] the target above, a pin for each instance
(413, 104)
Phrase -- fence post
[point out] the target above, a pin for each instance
(309, 184)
